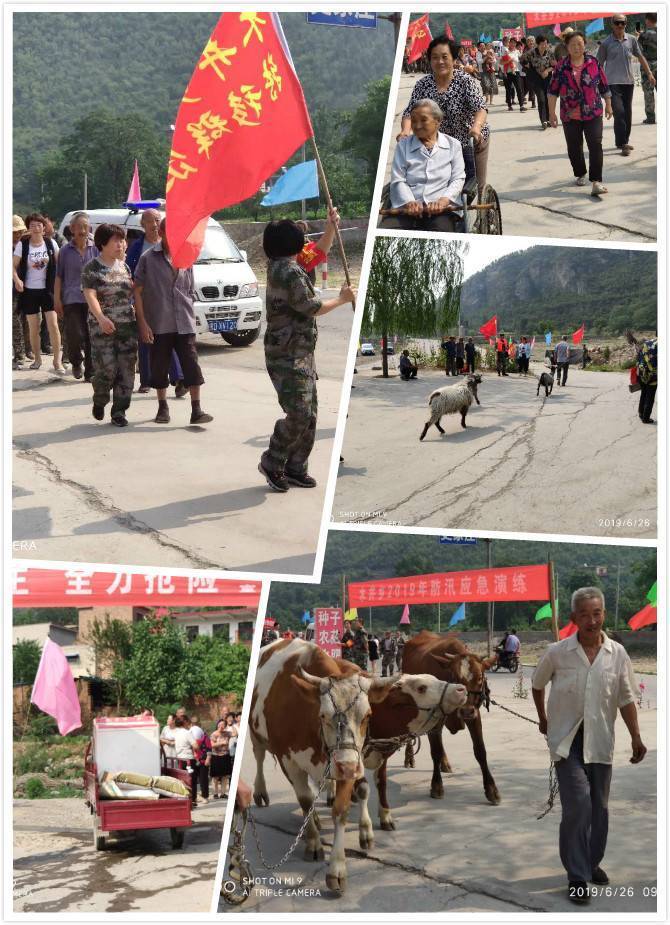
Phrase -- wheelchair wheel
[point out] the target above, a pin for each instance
(489, 220)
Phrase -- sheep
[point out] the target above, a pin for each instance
(546, 380)
(452, 399)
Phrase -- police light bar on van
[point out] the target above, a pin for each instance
(144, 204)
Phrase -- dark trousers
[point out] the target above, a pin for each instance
(575, 132)
(514, 84)
(78, 336)
(646, 405)
(501, 363)
(562, 368)
(163, 349)
(451, 365)
(622, 108)
(539, 85)
(199, 776)
(176, 374)
(584, 790)
(444, 222)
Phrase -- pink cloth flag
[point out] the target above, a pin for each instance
(557, 30)
(54, 690)
(405, 615)
(134, 194)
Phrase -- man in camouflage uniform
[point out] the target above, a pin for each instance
(647, 42)
(360, 648)
(400, 648)
(388, 651)
(291, 307)
(347, 643)
(107, 286)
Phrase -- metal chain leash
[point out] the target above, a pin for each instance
(553, 780)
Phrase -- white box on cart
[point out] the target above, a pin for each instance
(127, 743)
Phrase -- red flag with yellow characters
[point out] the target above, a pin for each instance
(242, 116)
(418, 33)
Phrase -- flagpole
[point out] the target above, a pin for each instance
(438, 616)
(554, 603)
(329, 202)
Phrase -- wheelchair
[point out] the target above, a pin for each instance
(478, 213)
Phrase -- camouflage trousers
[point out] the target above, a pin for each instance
(648, 91)
(18, 340)
(361, 659)
(114, 359)
(388, 665)
(293, 438)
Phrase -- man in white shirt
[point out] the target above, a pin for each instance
(591, 677)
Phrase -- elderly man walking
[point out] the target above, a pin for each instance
(616, 54)
(164, 299)
(69, 300)
(591, 678)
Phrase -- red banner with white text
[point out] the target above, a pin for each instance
(519, 583)
(328, 629)
(549, 19)
(82, 587)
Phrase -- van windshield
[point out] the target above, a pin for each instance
(218, 247)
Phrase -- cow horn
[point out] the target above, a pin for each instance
(311, 678)
(379, 683)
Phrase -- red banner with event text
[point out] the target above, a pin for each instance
(328, 630)
(549, 19)
(82, 587)
(519, 583)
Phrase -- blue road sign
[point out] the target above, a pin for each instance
(459, 540)
(361, 20)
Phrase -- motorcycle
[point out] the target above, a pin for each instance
(508, 660)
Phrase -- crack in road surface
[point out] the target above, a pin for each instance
(591, 221)
(96, 501)
(469, 887)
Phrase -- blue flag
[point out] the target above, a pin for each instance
(547, 338)
(458, 615)
(598, 25)
(299, 182)
(307, 617)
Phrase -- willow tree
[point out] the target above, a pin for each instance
(414, 288)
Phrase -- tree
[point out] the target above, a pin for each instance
(159, 668)
(104, 145)
(414, 287)
(26, 655)
(111, 641)
(61, 615)
(222, 668)
(366, 127)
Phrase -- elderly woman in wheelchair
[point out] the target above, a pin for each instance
(427, 177)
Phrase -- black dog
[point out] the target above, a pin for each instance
(546, 380)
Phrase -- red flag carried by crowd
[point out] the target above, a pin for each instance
(419, 37)
(447, 31)
(490, 327)
(578, 336)
(242, 116)
(569, 629)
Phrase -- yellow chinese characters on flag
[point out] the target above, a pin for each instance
(241, 117)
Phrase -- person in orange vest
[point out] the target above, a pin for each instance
(502, 350)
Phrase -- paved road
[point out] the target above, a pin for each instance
(579, 462)
(531, 173)
(171, 495)
(56, 868)
(462, 855)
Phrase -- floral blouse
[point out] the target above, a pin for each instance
(459, 103)
(585, 96)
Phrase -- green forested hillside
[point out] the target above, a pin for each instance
(69, 64)
(363, 556)
(544, 288)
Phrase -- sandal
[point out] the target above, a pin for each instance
(597, 189)
(581, 181)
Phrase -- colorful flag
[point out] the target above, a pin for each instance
(405, 615)
(544, 613)
(644, 617)
(351, 614)
(420, 38)
(569, 629)
(242, 116)
(134, 194)
(598, 25)
(447, 31)
(54, 690)
(459, 615)
(578, 335)
(306, 617)
(299, 182)
(490, 327)
(652, 594)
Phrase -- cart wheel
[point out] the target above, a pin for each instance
(490, 220)
(177, 838)
(99, 841)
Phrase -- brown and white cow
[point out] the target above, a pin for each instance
(448, 658)
(307, 707)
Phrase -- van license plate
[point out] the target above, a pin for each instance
(222, 324)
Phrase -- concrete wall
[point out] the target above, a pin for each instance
(242, 231)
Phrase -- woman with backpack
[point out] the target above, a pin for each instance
(34, 275)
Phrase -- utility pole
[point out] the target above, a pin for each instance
(616, 603)
(394, 18)
(85, 191)
(344, 593)
(552, 598)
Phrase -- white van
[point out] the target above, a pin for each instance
(227, 299)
